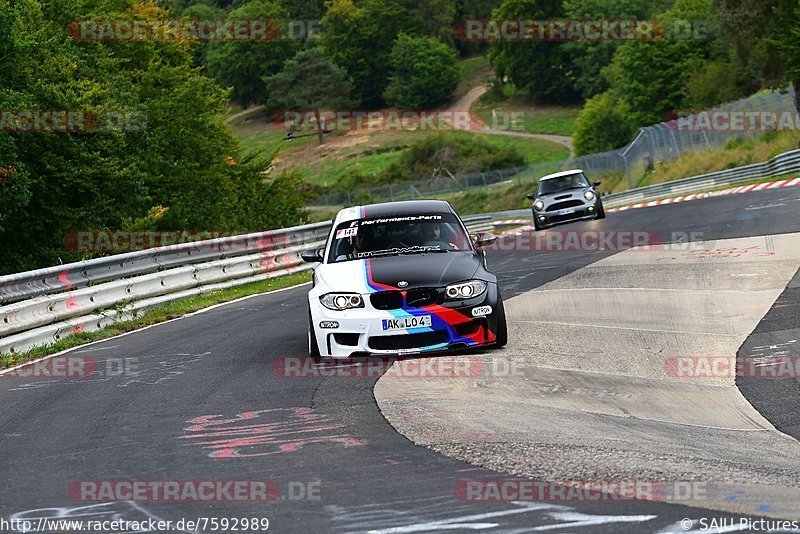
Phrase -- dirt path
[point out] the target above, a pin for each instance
(465, 103)
(247, 111)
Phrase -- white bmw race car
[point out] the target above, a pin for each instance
(402, 278)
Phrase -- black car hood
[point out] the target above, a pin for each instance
(418, 270)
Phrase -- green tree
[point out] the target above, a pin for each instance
(473, 10)
(308, 10)
(424, 73)
(541, 69)
(202, 11)
(786, 42)
(309, 81)
(431, 18)
(713, 82)
(359, 36)
(651, 76)
(590, 57)
(241, 65)
(159, 141)
(749, 29)
(603, 124)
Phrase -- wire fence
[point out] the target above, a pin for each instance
(670, 140)
(653, 144)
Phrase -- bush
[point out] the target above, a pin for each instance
(424, 73)
(713, 82)
(603, 124)
(444, 155)
(437, 155)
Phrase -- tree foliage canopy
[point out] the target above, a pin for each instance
(160, 139)
(542, 69)
(424, 73)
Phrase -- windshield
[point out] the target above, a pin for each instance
(395, 236)
(564, 183)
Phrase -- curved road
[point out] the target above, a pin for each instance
(220, 396)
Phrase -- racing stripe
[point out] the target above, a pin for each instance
(451, 316)
(441, 318)
(372, 285)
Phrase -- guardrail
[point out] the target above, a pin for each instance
(780, 165)
(44, 305)
(787, 163)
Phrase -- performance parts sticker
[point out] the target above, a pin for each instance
(409, 218)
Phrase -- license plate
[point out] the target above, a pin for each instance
(407, 322)
(566, 211)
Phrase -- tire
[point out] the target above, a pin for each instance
(536, 226)
(313, 348)
(502, 326)
(601, 213)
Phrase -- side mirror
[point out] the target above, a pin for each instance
(596, 183)
(530, 196)
(312, 256)
(482, 239)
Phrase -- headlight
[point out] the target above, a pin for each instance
(538, 205)
(588, 195)
(465, 290)
(342, 301)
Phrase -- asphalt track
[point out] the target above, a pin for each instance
(141, 416)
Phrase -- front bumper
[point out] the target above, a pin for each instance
(588, 210)
(355, 332)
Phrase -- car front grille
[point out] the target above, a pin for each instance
(561, 218)
(424, 296)
(415, 298)
(408, 341)
(564, 205)
(386, 300)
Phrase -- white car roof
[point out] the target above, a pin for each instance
(348, 214)
(560, 174)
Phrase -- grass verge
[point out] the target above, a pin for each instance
(367, 152)
(499, 197)
(736, 153)
(533, 118)
(164, 312)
